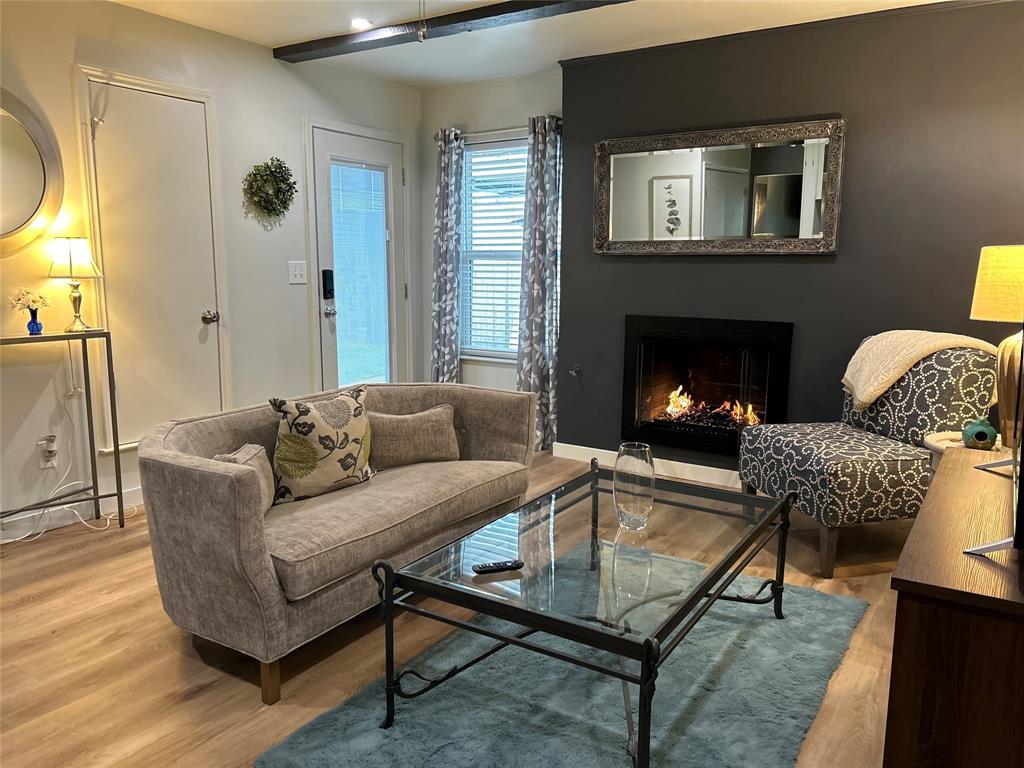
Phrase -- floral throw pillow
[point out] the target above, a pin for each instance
(321, 446)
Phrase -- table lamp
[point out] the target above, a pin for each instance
(73, 262)
(999, 297)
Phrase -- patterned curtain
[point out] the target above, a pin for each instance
(538, 308)
(444, 335)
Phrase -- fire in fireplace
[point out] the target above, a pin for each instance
(696, 382)
(683, 407)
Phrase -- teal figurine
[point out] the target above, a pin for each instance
(980, 434)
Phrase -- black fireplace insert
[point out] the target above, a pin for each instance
(697, 382)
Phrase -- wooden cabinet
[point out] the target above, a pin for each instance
(956, 696)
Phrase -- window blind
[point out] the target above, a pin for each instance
(494, 191)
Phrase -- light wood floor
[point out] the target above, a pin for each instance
(92, 672)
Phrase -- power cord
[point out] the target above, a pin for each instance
(43, 515)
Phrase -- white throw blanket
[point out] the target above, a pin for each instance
(881, 360)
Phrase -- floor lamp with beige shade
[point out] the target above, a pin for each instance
(999, 297)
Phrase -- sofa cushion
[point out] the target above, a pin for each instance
(254, 456)
(840, 475)
(322, 445)
(411, 438)
(318, 541)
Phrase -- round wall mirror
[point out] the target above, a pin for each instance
(32, 183)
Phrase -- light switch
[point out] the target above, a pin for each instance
(297, 272)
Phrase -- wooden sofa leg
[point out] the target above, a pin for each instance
(270, 682)
(828, 539)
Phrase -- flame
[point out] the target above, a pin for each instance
(680, 403)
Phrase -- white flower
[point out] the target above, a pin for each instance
(25, 299)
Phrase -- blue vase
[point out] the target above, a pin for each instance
(980, 435)
(34, 326)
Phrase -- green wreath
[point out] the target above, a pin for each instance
(269, 187)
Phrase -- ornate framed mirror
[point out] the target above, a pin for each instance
(32, 184)
(766, 189)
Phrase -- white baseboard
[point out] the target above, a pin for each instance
(131, 496)
(678, 470)
(19, 525)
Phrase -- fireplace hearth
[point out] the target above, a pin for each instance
(697, 382)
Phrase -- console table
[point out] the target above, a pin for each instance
(89, 492)
(956, 697)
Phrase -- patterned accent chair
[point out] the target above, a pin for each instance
(871, 465)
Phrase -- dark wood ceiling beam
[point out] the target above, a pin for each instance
(484, 17)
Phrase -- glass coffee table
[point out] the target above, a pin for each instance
(584, 579)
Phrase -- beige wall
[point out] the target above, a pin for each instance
(483, 106)
(259, 104)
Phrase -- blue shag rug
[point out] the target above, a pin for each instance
(742, 689)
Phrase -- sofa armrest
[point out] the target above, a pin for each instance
(213, 568)
(491, 424)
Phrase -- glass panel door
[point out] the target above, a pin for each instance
(360, 244)
(361, 269)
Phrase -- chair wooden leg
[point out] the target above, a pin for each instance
(828, 538)
(270, 682)
(749, 509)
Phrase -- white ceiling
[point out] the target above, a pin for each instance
(518, 49)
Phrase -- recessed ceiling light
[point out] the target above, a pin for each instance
(360, 24)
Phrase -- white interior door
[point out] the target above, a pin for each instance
(361, 259)
(156, 230)
(725, 202)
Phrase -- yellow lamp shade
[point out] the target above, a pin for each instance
(72, 259)
(999, 288)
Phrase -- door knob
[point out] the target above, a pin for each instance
(210, 316)
(330, 311)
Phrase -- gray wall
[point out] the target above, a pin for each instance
(934, 169)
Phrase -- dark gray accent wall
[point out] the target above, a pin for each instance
(934, 169)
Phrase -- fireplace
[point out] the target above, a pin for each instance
(696, 382)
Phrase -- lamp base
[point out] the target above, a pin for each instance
(988, 466)
(77, 326)
(1008, 390)
(995, 546)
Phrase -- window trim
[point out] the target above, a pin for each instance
(506, 137)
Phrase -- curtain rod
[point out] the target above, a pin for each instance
(523, 128)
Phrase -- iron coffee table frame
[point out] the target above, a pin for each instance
(398, 588)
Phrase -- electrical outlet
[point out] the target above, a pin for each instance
(297, 272)
(47, 448)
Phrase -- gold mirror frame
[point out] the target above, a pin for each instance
(53, 175)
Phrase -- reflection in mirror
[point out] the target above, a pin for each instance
(712, 193)
(761, 189)
(23, 180)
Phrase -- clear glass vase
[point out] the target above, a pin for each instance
(633, 485)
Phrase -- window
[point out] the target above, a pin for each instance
(359, 224)
(493, 196)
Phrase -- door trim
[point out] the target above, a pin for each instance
(83, 75)
(309, 124)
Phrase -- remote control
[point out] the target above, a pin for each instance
(504, 565)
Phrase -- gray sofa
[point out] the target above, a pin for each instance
(266, 584)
